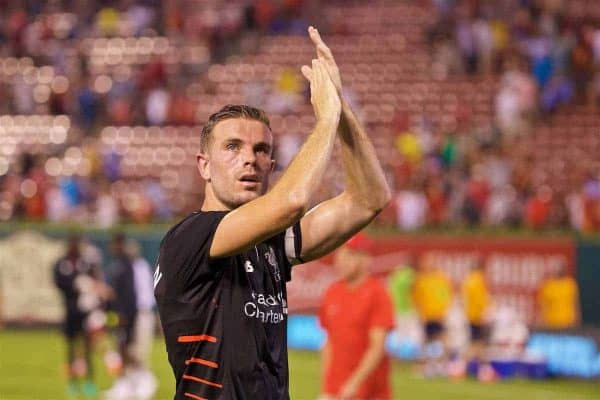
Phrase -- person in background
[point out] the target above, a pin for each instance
(558, 300)
(124, 303)
(357, 313)
(432, 296)
(400, 286)
(476, 302)
(145, 384)
(82, 288)
(96, 322)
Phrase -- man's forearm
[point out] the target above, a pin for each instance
(305, 172)
(368, 362)
(325, 359)
(363, 177)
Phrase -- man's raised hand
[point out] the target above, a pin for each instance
(323, 94)
(326, 57)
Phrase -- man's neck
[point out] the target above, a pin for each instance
(356, 280)
(211, 202)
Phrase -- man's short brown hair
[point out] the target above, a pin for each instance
(228, 112)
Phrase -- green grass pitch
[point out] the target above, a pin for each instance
(31, 368)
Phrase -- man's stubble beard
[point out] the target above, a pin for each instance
(233, 199)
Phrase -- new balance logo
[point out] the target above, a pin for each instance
(157, 275)
(248, 266)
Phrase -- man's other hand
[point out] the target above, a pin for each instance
(326, 57)
(323, 94)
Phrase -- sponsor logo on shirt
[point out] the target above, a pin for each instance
(267, 308)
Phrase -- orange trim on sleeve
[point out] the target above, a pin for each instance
(197, 338)
(193, 396)
(200, 380)
(202, 361)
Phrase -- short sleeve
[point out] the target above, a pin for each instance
(289, 245)
(293, 244)
(184, 252)
(382, 315)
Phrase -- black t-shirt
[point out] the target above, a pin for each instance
(121, 279)
(225, 320)
(66, 271)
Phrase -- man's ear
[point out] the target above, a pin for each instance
(273, 163)
(203, 165)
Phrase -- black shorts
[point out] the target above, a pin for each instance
(126, 330)
(478, 332)
(74, 325)
(433, 329)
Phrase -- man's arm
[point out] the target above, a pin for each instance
(325, 359)
(289, 199)
(367, 364)
(366, 191)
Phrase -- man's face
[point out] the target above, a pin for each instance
(237, 163)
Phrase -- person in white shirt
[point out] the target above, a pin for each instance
(144, 325)
(138, 381)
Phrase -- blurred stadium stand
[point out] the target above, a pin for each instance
(113, 96)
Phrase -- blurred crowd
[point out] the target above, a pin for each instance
(150, 63)
(120, 63)
(478, 177)
(547, 51)
(545, 56)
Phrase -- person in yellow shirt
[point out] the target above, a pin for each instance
(558, 301)
(476, 302)
(432, 297)
(408, 145)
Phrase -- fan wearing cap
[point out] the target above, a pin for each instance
(357, 313)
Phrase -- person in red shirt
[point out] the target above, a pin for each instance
(357, 313)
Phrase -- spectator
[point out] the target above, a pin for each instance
(57, 207)
(537, 208)
(411, 208)
(557, 93)
(408, 145)
(576, 208)
(106, 207)
(477, 195)
(516, 99)
(582, 63)
(157, 106)
(286, 92)
(88, 105)
(591, 201)
(502, 206)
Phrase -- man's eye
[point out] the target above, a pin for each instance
(263, 150)
(231, 146)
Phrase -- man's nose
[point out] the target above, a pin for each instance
(248, 156)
